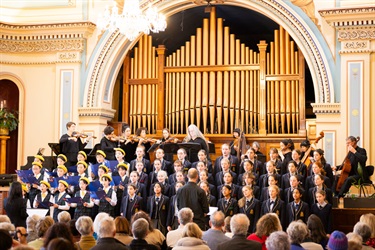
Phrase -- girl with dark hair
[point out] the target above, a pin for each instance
(141, 134)
(317, 232)
(319, 157)
(157, 207)
(107, 144)
(286, 146)
(16, 205)
(128, 144)
(58, 230)
(108, 203)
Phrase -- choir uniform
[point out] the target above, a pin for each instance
(81, 210)
(298, 211)
(324, 212)
(228, 207)
(146, 165)
(130, 206)
(219, 178)
(311, 195)
(277, 206)
(59, 199)
(251, 209)
(157, 208)
(234, 164)
(104, 205)
(285, 183)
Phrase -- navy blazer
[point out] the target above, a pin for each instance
(136, 206)
(278, 208)
(229, 210)
(302, 213)
(252, 212)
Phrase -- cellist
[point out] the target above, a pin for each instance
(356, 155)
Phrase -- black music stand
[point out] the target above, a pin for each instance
(55, 148)
(169, 150)
(153, 148)
(191, 149)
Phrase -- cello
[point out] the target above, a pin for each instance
(306, 159)
(346, 167)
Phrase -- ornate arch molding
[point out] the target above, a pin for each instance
(114, 48)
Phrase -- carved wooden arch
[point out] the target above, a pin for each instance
(102, 71)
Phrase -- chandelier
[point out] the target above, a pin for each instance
(132, 21)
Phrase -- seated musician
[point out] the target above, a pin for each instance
(355, 155)
(304, 147)
(71, 143)
(141, 134)
(107, 145)
(234, 144)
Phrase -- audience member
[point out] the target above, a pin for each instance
(278, 241)
(337, 241)
(123, 231)
(6, 240)
(73, 229)
(4, 218)
(30, 225)
(297, 232)
(98, 218)
(227, 230)
(191, 238)
(317, 233)
(64, 217)
(239, 225)
(369, 219)
(60, 244)
(354, 241)
(140, 229)
(363, 230)
(154, 236)
(57, 230)
(215, 236)
(266, 225)
(185, 215)
(41, 227)
(106, 233)
(85, 227)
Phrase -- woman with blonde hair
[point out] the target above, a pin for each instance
(191, 238)
(266, 225)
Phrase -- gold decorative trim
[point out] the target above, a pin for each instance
(8, 46)
(355, 34)
(344, 17)
(96, 112)
(326, 108)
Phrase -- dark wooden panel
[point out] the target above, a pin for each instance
(344, 219)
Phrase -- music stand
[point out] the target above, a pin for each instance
(191, 149)
(55, 148)
(153, 148)
(169, 150)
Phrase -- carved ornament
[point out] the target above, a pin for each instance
(326, 108)
(96, 112)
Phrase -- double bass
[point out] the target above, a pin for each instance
(345, 168)
(306, 159)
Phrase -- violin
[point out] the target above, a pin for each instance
(81, 135)
(346, 167)
(306, 159)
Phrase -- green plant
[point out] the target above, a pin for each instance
(8, 119)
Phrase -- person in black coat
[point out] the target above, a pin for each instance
(227, 204)
(193, 197)
(287, 194)
(323, 210)
(127, 144)
(270, 170)
(107, 145)
(239, 225)
(131, 203)
(167, 166)
(297, 209)
(172, 220)
(292, 171)
(250, 206)
(194, 135)
(16, 205)
(157, 208)
(274, 204)
(287, 146)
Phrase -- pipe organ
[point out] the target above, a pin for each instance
(217, 83)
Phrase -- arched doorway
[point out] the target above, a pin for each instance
(9, 96)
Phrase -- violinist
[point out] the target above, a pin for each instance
(286, 146)
(70, 143)
(355, 155)
(234, 145)
(128, 144)
(143, 140)
(167, 138)
(107, 144)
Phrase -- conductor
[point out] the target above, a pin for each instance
(193, 197)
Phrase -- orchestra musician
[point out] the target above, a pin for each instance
(128, 144)
(195, 135)
(234, 147)
(71, 143)
(107, 144)
(355, 155)
(286, 146)
(143, 140)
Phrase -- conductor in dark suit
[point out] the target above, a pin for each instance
(239, 225)
(193, 197)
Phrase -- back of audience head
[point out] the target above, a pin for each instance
(217, 219)
(337, 241)
(227, 224)
(60, 244)
(73, 229)
(297, 232)
(363, 230)
(192, 230)
(316, 229)
(7, 226)
(369, 219)
(85, 225)
(185, 215)
(268, 224)
(354, 241)
(43, 225)
(58, 230)
(142, 214)
(122, 225)
(278, 241)
(64, 217)
(31, 222)
(4, 218)
(6, 240)
(107, 228)
(98, 218)
(239, 224)
(140, 228)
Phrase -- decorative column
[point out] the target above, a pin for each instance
(3, 153)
